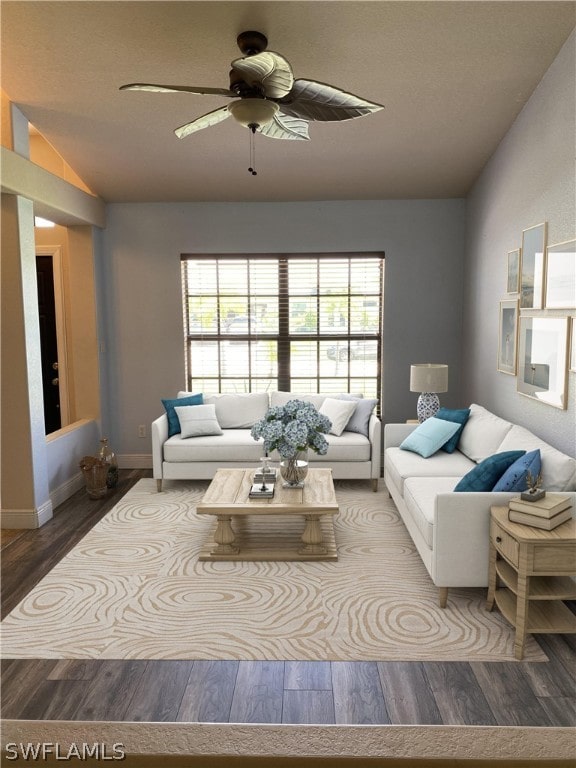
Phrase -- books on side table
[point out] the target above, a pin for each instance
(546, 513)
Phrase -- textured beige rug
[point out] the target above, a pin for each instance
(133, 588)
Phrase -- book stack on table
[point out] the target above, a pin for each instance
(547, 513)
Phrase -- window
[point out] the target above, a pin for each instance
(294, 323)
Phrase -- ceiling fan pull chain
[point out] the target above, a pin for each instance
(252, 169)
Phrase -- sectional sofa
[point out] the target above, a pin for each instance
(451, 529)
(354, 454)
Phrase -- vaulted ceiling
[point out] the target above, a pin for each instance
(453, 76)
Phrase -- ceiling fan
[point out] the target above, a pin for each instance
(270, 100)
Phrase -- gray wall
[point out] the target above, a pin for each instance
(142, 358)
(529, 179)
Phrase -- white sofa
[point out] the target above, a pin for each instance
(351, 455)
(451, 529)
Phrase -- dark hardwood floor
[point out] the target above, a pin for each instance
(499, 693)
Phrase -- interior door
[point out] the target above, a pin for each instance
(48, 343)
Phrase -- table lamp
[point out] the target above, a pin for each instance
(428, 379)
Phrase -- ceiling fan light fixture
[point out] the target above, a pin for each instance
(253, 112)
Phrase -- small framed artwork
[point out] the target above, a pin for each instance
(573, 344)
(507, 337)
(532, 267)
(542, 359)
(513, 285)
(561, 276)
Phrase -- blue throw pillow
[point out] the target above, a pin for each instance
(486, 474)
(429, 436)
(360, 418)
(460, 416)
(514, 479)
(173, 422)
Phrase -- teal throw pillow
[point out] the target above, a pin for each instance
(173, 421)
(514, 479)
(485, 475)
(429, 436)
(460, 416)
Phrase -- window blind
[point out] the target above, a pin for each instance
(299, 323)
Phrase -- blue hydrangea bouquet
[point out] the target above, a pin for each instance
(291, 429)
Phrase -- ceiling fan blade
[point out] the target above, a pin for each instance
(319, 101)
(269, 69)
(207, 120)
(176, 89)
(285, 127)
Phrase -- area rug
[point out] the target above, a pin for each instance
(133, 588)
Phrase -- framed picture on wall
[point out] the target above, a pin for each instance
(561, 275)
(542, 359)
(532, 267)
(507, 336)
(513, 285)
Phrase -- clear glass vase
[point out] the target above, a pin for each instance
(107, 454)
(294, 470)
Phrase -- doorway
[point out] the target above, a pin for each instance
(52, 338)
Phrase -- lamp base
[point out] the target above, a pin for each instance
(427, 406)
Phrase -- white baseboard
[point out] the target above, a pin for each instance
(26, 518)
(134, 460)
(67, 489)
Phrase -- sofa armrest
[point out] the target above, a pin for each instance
(394, 434)
(375, 437)
(159, 431)
(462, 536)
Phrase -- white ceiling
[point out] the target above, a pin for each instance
(452, 76)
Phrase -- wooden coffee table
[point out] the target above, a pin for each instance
(241, 534)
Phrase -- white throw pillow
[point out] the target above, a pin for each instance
(339, 412)
(483, 434)
(197, 420)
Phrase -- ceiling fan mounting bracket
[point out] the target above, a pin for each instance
(251, 43)
(242, 88)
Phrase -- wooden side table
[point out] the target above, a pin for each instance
(529, 576)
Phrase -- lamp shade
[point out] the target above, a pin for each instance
(428, 377)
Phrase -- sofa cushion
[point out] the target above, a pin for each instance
(483, 433)
(339, 412)
(238, 411)
(558, 469)
(403, 464)
(197, 420)
(486, 474)
(234, 445)
(281, 398)
(184, 398)
(429, 436)
(515, 477)
(347, 447)
(420, 498)
(459, 416)
(360, 419)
